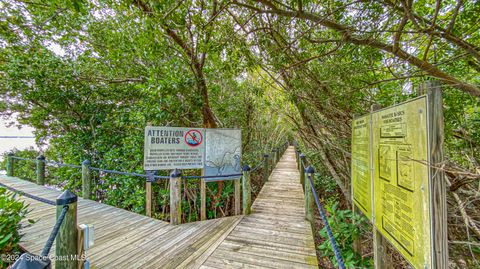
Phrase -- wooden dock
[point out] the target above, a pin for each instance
(275, 235)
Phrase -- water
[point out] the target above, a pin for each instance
(13, 137)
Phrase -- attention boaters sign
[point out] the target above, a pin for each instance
(174, 147)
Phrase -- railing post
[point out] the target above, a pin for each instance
(10, 164)
(302, 170)
(176, 197)
(149, 194)
(277, 155)
(247, 193)
(266, 171)
(309, 172)
(40, 169)
(148, 198)
(86, 180)
(203, 197)
(237, 196)
(270, 164)
(66, 241)
(274, 158)
(298, 159)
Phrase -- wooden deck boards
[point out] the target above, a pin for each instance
(124, 239)
(275, 235)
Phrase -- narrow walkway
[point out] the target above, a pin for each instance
(275, 235)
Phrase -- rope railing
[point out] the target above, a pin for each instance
(266, 165)
(309, 188)
(31, 196)
(321, 211)
(57, 164)
(227, 176)
(214, 176)
(53, 234)
(255, 168)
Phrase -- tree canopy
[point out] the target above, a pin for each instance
(89, 75)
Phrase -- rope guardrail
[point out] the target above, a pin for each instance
(52, 163)
(309, 172)
(118, 172)
(31, 196)
(267, 164)
(214, 176)
(57, 164)
(23, 159)
(256, 167)
(336, 250)
(149, 177)
(53, 234)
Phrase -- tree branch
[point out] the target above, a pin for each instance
(349, 36)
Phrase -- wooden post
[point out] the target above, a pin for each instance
(10, 163)
(277, 156)
(274, 158)
(86, 180)
(203, 198)
(176, 197)
(237, 197)
(357, 244)
(380, 258)
(309, 172)
(302, 170)
(148, 198)
(40, 170)
(298, 159)
(247, 193)
(66, 241)
(438, 184)
(266, 171)
(80, 247)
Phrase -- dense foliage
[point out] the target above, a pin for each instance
(12, 212)
(89, 75)
(347, 227)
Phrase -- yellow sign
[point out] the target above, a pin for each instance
(401, 179)
(361, 165)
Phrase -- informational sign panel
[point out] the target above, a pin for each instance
(401, 180)
(396, 146)
(173, 147)
(361, 165)
(223, 151)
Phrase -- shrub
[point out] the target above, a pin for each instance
(22, 169)
(12, 212)
(346, 228)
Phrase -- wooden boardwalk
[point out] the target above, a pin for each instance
(275, 235)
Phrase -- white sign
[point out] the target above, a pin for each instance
(173, 147)
(223, 153)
